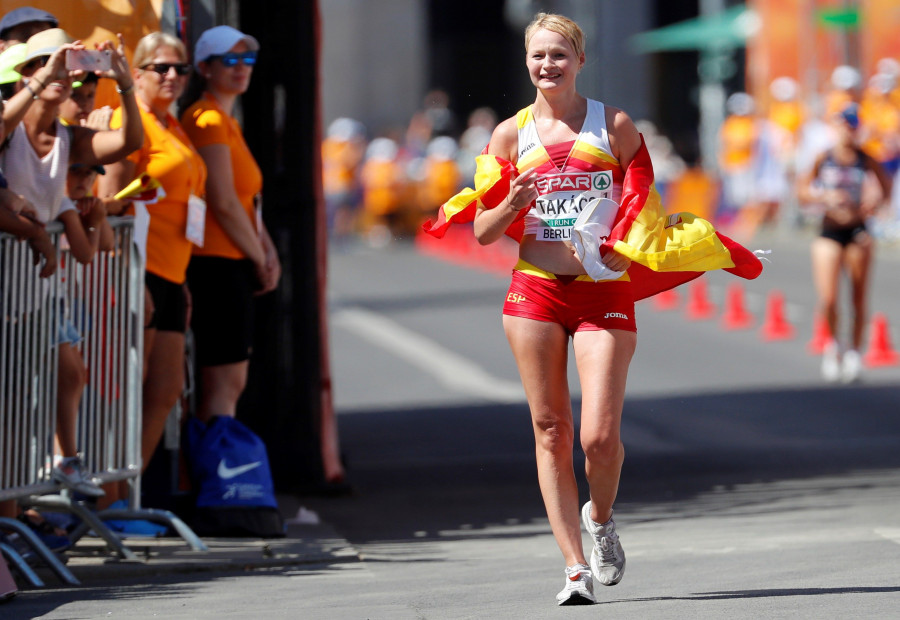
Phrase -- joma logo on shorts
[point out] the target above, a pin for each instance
(616, 315)
(515, 298)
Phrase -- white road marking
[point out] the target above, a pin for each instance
(892, 534)
(453, 370)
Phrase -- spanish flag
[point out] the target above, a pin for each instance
(666, 250)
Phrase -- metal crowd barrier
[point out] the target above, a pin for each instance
(105, 301)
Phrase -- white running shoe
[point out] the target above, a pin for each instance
(607, 556)
(70, 474)
(851, 366)
(579, 588)
(831, 362)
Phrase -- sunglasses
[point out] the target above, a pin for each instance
(37, 63)
(163, 68)
(231, 59)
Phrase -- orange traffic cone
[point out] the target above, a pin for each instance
(667, 300)
(736, 315)
(775, 325)
(699, 307)
(821, 335)
(880, 352)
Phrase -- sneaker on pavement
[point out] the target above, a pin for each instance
(579, 588)
(607, 556)
(851, 366)
(831, 362)
(70, 474)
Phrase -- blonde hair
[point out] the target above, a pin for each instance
(559, 24)
(147, 46)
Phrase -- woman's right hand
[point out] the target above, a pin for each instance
(56, 65)
(522, 191)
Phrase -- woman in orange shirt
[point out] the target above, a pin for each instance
(160, 74)
(238, 259)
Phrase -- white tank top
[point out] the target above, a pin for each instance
(565, 190)
(42, 181)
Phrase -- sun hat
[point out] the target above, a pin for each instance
(218, 40)
(11, 57)
(24, 15)
(44, 43)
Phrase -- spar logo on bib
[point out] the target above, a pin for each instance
(576, 182)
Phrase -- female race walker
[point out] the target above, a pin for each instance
(542, 168)
(836, 181)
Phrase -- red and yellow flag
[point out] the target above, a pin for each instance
(665, 250)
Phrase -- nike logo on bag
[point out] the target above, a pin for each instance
(225, 472)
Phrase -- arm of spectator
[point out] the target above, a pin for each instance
(104, 147)
(273, 264)
(107, 236)
(117, 176)
(93, 216)
(29, 230)
(98, 119)
(223, 203)
(83, 231)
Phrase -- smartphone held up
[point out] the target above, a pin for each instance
(88, 60)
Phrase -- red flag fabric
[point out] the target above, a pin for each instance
(666, 250)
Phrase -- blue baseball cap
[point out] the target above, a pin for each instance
(24, 15)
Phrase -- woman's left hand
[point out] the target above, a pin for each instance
(616, 261)
(118, 64)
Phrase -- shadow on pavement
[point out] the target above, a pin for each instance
(440, 472)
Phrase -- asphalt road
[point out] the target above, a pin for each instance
(751, 489)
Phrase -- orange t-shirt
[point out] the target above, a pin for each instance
(382, 189)
(881, 120)
(206, 123)
(168, 156)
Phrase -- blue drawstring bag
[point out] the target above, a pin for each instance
(232, 481)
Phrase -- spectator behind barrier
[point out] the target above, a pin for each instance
(167, 155)
(238, 259)
(31, 119)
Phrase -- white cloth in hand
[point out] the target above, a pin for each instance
(590, 230)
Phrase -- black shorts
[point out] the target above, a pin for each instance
(222, 318)
(169, 304)
(844, 236)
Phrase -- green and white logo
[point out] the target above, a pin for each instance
(602, 181)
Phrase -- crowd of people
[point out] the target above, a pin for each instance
(207, 252)
(384, 188)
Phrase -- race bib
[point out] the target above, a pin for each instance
(562, 198)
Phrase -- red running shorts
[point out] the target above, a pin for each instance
(578, 303)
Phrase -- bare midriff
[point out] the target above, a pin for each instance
(553, 256)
